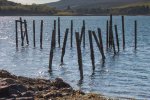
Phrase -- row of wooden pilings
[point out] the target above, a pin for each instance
(79, 37)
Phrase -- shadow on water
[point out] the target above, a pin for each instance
(101, 68)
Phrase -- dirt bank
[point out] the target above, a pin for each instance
(22, 88)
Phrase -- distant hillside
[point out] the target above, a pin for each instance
(78, 7)
(11, 8)
(76, 4)
(134, 9)
(8, 3)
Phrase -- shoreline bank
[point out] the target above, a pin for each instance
(22, 88)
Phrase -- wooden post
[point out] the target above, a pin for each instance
(16, 24)
(91, 49)
(123, 32)
(59, 31)
(53, 39)
(135, 29)
(55, 33)
(41, 34)
(110, 31)
(26, 32)
(84, 33)
(81, 36)
(98, 45)
(100, 41)
(21, 30)
(107, 33)
(64, 45)
(113, 44)
(34, 33)
(79, 55)
(71, 29)
(117, 38)
(51, 52)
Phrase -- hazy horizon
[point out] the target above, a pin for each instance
(33, 1)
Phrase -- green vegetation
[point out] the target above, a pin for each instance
(10, 8)
(27, 9)
(133, 9)
(134, 5)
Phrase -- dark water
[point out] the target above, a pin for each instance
(124, 75)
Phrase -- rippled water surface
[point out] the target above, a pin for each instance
(124, 75)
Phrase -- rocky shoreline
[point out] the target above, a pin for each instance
(22, 88)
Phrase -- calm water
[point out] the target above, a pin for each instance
(124, 75)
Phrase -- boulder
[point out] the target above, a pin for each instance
(28, 94)
(5, 74)
(59, 83)
(15, 89)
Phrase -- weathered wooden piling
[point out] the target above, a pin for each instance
(84, 33)
(71, 30)
(110, 32)
(53, 39)
(113, 44)
(91, 49)
(123, 33)
(64, 45)
(135, 31)
(50, 59)
(100, 40)
(34, 44)
(26, 32)
(16, 26)
(81, 36)
(55, 33)
(111, 36)
(107, 34)
(59, 32)
(79, 55)
(117, 38)
(51, 52)
(21, 30)
(98, 45)
(41, 34)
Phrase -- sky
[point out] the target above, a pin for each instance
(33, 1)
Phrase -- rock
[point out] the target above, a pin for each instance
(17, 88)
(28, 94)
(8, 90)
(14, 95)
(52, 95)
(7, 99)
(5, 74)
(59, 83)
(80, 92)
(8, 81)
(4, 91)
(22, 88)
(25, 98)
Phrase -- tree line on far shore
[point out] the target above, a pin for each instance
(135, 10)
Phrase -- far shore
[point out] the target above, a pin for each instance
(72, 15)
